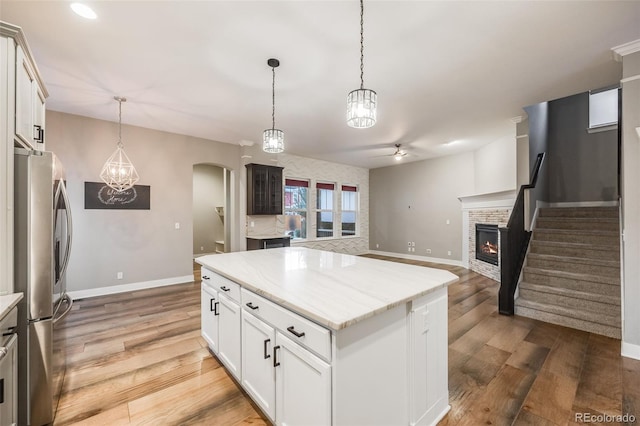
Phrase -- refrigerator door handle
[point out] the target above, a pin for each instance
(66, 311)
(62, 190)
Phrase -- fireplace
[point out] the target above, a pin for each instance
(487, 243)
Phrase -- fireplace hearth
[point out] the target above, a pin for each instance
(487, 243)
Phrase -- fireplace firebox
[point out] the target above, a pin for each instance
(487, 243)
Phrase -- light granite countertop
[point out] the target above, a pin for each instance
(267, 236)
(8, 302)
(335, 290)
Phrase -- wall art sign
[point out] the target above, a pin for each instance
(97, 195)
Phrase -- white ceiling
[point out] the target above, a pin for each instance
(443, 70)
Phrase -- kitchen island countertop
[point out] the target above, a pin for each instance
(333, 289)
(8, 302)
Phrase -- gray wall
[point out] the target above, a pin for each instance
(538, 142)
(208, 193)
(631, 201)
(579, 166)
(143, 244)
(412, 202)
(583, 166)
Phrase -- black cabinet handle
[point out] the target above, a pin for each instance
(38, 134)
(266, 354)
(223, 288)
(204, 277)
(294, 332)
(251, 306)
(275, 357)
(215, 309)
(211, 304)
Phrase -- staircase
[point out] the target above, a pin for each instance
(572, 270)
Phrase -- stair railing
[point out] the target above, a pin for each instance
(514, 240)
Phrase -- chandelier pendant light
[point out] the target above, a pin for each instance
(118, 172)
(361, 103)
(273, 139)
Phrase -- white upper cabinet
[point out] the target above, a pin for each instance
(30, 104)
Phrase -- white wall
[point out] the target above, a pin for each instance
(495, 166)
(143, 244)
(631, 204)
(208, 193)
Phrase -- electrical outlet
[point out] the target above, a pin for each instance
(448, 222)
(377, 245)
(252, 224)
(201, 248)
(449, 253)
(119, 275)
(177, 225)
(428, 251)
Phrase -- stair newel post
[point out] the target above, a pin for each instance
(505, 298)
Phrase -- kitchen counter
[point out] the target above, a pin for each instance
(267, 236)
(335, 290)
(8, 302)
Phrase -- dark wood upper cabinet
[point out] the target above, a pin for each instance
(264, 189)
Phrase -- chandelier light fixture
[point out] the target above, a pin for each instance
(118, 172)
(273, 139)
(361, 103)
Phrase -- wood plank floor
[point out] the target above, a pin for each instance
(138, 358)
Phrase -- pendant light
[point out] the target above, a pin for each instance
(118, 172)
(273, 139)
(361, 103)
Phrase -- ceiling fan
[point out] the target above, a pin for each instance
(399, 153)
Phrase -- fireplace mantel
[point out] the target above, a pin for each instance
(490, 200)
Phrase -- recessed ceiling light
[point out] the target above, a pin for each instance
(451, 143)
(83, 10)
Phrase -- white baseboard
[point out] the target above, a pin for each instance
(416, 257)
(630, 350)
(586, 204)
(103, 291)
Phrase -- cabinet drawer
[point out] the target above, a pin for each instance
(221, 284)
(297, 328)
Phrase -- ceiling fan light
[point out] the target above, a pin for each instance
(273, 141)
(361, 108)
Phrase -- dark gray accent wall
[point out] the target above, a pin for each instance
(579, 166)
(583, 166)
(538, 142)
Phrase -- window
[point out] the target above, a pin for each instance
(603, 108)
(324, 210)
(349, 210)
(295, 207)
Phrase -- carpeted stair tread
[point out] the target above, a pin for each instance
(581, 260)
(582, 250)
(573, 275)
(567, 292)
(591, 327)
(578, 314)
(609, 212)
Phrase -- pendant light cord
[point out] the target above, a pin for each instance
(361, 44)
(120, 123)
(273, 99)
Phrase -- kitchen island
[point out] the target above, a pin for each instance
(316, 337)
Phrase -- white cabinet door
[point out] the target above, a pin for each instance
(209, 318)
(9, 383)
(25, 80)
(428, 360)
(229, 334)
(303, 385)
(258, 373)
(38, 116)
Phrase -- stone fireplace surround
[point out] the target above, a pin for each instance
(492, 209)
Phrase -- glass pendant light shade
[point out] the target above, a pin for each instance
(361, 108)
(118, 171)
(273, 141)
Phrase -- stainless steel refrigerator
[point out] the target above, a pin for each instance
(42, 234)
